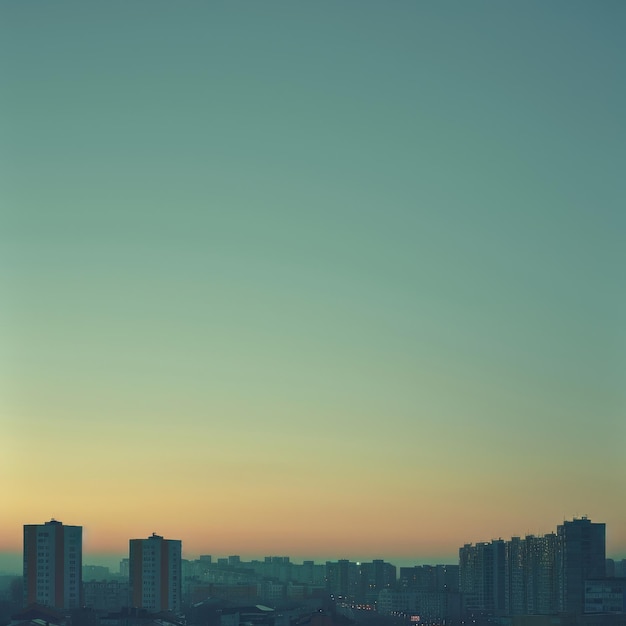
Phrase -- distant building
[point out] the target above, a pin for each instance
(234, 593)
(342, 578)
(155, 573)
(530, 575)
(482, 577)
(605, 596)
(581, 556)
(402, 602)
(426, 593)
(310, 573)
(374, 577)
(96, 572)
(440, 578)
(105, 595)
(533, 576)
(271, 591)
(53, 560)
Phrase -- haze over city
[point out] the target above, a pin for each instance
(327, 280)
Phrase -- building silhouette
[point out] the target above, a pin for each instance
(533, 576)
(482, 577)
(53, 561)
(106, 595)
(373, 577)
(581, 556)
(428, 592)
(155, 573)
(530, 575)
(342, 578)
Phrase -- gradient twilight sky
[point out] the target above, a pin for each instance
(326, 279)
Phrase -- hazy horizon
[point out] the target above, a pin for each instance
(11, 563)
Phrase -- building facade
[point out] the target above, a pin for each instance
(342, 578)
(374, 577)
(482, 577)
(530, 575)
(605, 596)
(106, 595)
(534, 575)
(581, 556)
(156, 573)
(53, 561)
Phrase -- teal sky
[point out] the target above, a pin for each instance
(313, 252)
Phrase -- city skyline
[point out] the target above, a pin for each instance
(312, 279)
(561, 574)
(13, 562)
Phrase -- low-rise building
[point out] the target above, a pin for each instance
(605, 596)
(106, 595)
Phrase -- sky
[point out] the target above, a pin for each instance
(324, 279)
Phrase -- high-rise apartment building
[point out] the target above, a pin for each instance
(482, 577)
(581, 556)
(342, 578)
(53, 561)
(155, 573)
(533, 575)
(530, 575)
(373, 577)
